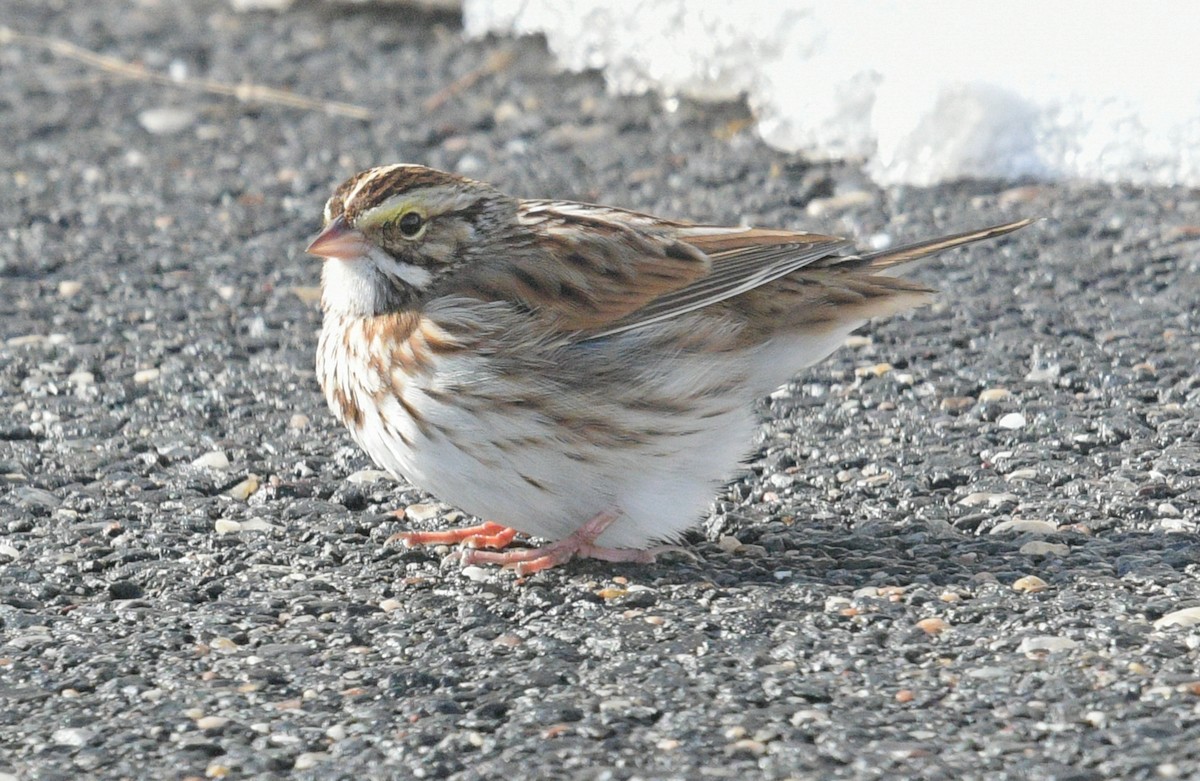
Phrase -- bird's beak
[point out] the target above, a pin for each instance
(338, 241)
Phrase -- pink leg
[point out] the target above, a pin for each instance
(485, 535)
(582, 543)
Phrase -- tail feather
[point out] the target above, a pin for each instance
(895, 256)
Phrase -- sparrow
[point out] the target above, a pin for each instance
(579, 373)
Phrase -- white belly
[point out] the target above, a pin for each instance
(653, 440)
(514, 466)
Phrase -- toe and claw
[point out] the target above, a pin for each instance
(526, 561)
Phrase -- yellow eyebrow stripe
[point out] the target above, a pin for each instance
(389, 211)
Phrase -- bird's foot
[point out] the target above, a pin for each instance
(582, 543)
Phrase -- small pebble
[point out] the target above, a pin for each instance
(1030, 584)
(932, 625)
(298, 421)
(990, 499)
(1011, 421)
(992, 395)
(1188, 616)
(878, 370)
(211, 722)
(215, 459)
(165, 121)
(422, 512)
(837, 203)
(81, 379)
(728, 543)
(749, 746)
(1021, 526)
(367, 476)
(71, 736)
(309, 760)
(1034, 646)
(780, 480)
(390, 604)
(245, 489)
(146, 375)
(1048, 374)
(258, 525)
(475, 574)
(226, 526)
(1042, 548)
(69, 288)
(956, 403)
(807, 716)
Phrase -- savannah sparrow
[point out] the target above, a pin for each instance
(579, 373)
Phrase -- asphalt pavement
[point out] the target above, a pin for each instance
(965, 547)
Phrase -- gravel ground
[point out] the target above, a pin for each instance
(962, 549)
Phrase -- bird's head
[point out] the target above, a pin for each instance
(391, 232)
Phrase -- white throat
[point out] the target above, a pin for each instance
(356, 286)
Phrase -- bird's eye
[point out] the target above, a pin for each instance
(411, 224)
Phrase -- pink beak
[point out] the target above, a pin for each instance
(338, 241)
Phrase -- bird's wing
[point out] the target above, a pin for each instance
(598, 270)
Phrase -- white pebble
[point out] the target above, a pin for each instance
(422, 512)
(82, 379)
(1024, 527)
(1048, 374)
(71, 736)
(243, 490)
(1012, 421)
(994, 394)
(1040, 548)
(476, 574)
(310, 759)
(226, 526)
(214, 459)
(808, 715)
(258, 525)
(780, 480)
(1030, 584)
(165, 121)
(367, 476)
(1188, 616)
(1032, 646)
(820, 206)
(69, 288)
(990, 499)
(146, 375)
